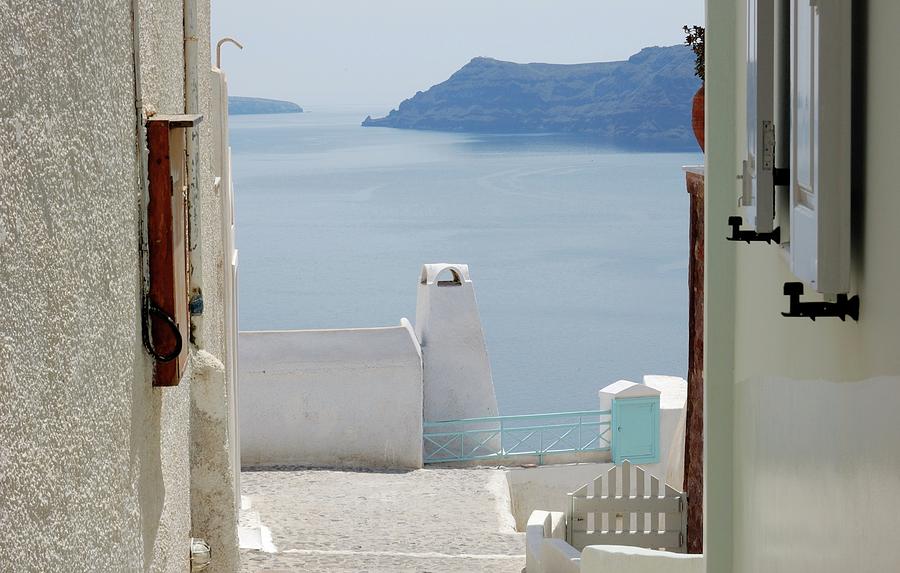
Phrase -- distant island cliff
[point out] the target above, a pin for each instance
(642, 102)
(250, 105)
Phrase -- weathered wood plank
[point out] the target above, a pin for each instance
(673, 520)
(619, 516)
(626, 493)
(584, 505)
(160, 229)
(668, 540)
(176, 120)
(580, 492)
(639, 492)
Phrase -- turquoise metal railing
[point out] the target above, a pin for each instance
(525, 435)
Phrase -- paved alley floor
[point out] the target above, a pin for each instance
(440, 521)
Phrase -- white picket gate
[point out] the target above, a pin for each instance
(627, 512)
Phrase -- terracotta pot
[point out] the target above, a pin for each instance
(697, 111)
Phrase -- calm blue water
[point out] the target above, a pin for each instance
(578, 253)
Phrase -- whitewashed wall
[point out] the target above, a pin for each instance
(672, 418)
(814, 455)
(333, 398)
(545, 487)
(95, 468)
(547, 552)
(609, 558)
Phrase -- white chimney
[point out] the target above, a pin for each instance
(457, 380)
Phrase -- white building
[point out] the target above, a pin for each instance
(99, 469)
(802, 456)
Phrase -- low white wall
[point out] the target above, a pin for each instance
(546, 487)
(547, 552)
(620, 559)
(331, 398)
(672, 418)
(544, 527)
(557, 556)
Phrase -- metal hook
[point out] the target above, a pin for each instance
(219, 49)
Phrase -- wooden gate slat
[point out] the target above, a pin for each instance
(585, 505)
(626, 493)
(668, 540)
(598, 522)
(639, 491)
(592, 519)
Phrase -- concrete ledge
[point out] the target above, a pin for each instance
(520, 461)
(621, 559)
(538, 523)
(548, 527)
(557, 556)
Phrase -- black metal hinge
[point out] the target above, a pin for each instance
(843, 307)
(751, 236)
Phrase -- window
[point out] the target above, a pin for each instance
(820, 143)
(759, 167)
(818, 108)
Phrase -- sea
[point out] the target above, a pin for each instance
(578, 252)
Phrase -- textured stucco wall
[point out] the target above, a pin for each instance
(94, 466)
(331, 398)
(162, 91)
(816, 461)
(213, 516)
(458, 381)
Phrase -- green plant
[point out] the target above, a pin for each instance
(694, 37)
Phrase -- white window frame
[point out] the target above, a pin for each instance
(758, 176)
(820, 143)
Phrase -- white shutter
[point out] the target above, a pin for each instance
(820, 143)
(759, 167)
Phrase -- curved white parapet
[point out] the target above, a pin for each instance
(622, 559)
(545, 548)
(457, 380)
(547, 552)
(557, 556)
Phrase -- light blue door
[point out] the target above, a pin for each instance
(635, 425)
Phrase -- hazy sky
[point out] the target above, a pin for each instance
(379, 52)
